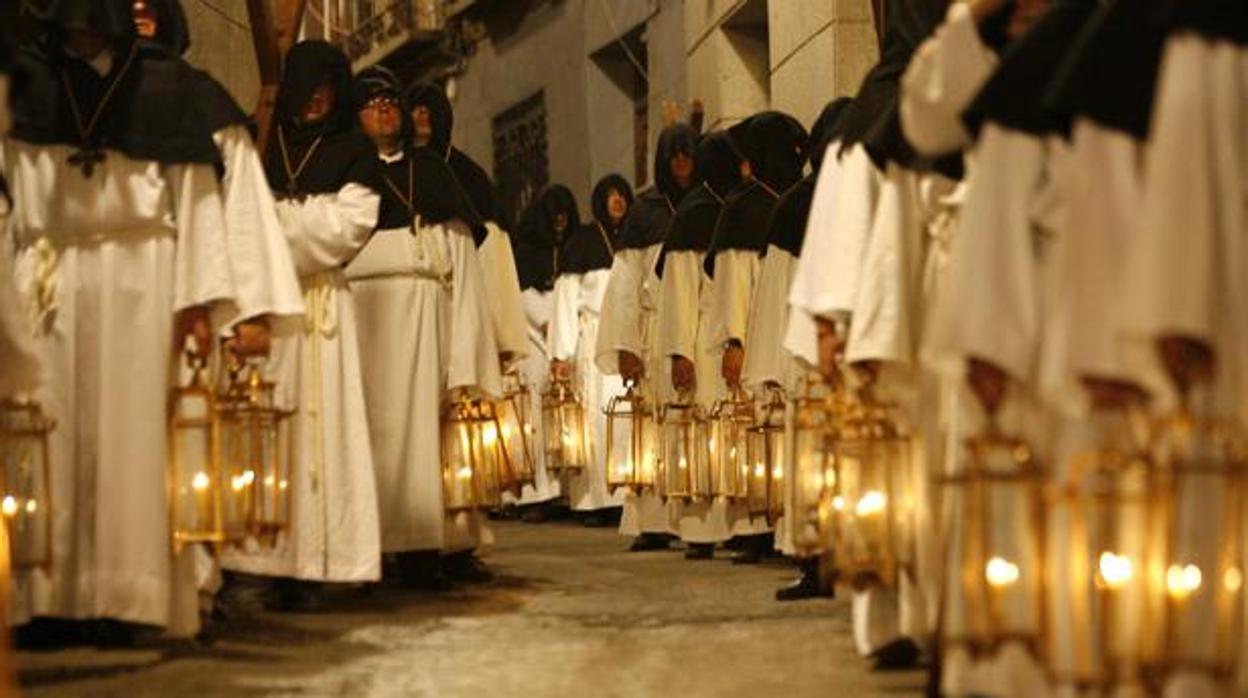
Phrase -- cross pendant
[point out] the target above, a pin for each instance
(86, 159)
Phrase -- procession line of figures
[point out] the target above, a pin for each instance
(981, 365)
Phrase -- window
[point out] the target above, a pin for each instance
(521, 164)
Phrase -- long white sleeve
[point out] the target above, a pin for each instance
(736, 272)
(620, 321)
(473, 348)
(678, 305)
(264, 274)
(766, 359)
(564, 331)
(325, 231)
(502, 289)
(202, 260)
(826, 284)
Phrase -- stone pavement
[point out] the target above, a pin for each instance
(571, 614)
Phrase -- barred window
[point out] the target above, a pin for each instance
(521, 163)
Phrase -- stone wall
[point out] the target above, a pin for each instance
(221, 44)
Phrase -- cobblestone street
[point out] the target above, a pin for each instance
(570, 614)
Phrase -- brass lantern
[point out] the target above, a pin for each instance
(765, 461)
(685, 465)
(729, 423)
(515, 424)
(815, 412)
(1111, 495)
(1001, 543)
(193, 477)
(255, 439)
(475, 468)
(1197, 585)
(872, 496)
(563, 418)
(26, 473)
(632, 441)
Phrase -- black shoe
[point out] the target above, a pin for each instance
(896, 655)
(51, 633)
(422, 570)
(647, 542)
(700, 551)
(297, 596)
(113, 634)
(808, 585)
(466, 567)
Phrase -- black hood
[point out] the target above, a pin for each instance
(309, 65)
(1111, 74)
(647, 222)
(379, 81)
(441, 116)
(113, 18)
(172, 30)
(775, 144)
(693, 225)
(554, 199)
(533, 252)
(1215, 19)
(676, 139)
(599, 202)
(1015, 95)
(827, 129)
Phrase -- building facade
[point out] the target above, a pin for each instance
(571, 90)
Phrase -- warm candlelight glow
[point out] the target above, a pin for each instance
(200, 482)
(710, 445)
(9, 505)
(489, 435)
(1233, 579)
(829, 477)
(567, 436)
(1001, 572)
(871, 503)
(684, 463)
(282, 485)
(777, 473)
(528, 429)
(464, 473)
(1183, 580)
(32, 506)
(506, 429)
(625, 468)
(838, 503)
(1116, 570)
(760, 470)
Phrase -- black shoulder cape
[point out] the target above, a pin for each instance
(787, 229)
(647, 222)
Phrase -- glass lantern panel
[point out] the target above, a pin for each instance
(573, 451)
(1012, 533)
(813, 507)
(515, 439)
(195, 477)
(26, 502)
(458, 465)
(241, 473)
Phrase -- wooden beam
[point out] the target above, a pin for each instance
(272, 34)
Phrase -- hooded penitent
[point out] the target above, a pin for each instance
(320, 157)
(650, 216)
(172, 31)
(421, 183)
(787, 229)
(775, 145)
(693, 225)
(539, 246)
(602, 190)
(472, 177)
(152, 111)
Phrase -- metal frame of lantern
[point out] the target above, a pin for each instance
(516, 428)
(632, 441)
(476, 469)
(872, 496)
(25, 481)
(1003, 544)
(765, 461)
(193, 478)
(1201, 468)
(257, 457)
(816, 410)
(729, 423)
(684, 471)
(563, 420)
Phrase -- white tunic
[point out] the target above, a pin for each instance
(535, 369)
(684, 330)
(425, 327)
(106, 262)
(629, 319)
(334, 535)
(573, 337)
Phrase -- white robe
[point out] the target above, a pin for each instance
(425, 327)
(573, 337)
(628, 323)
(106, 262)
(334, 536)
(684, 330)
(535, 369)
(1191, 236)
(502, 292)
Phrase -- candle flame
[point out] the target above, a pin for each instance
(829, 477)
(1116, 570)
(528, 429)
(32, 506)
(464, 473)
(1183, 580)
(838, 503)
(871, 503)
(9, 505)
(684, 463)
(200, 482)
(489, 435)
(1001, 572)
(777, 473)
(1233, 579)
(760, 470)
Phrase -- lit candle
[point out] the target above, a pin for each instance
(1183, 580)
(1233, 579)
(9, 505)
(1116, 570)
(871, 503)
(1001, 573)
(489, 436)
(200, 483)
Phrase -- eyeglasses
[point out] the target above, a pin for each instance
(381, 103)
